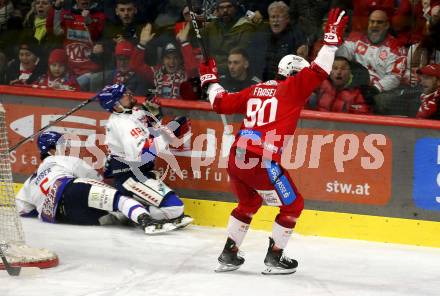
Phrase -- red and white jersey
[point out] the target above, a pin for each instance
(385, 62)
(271, 110)
(167, 85)
(36, 189)
(78, 36)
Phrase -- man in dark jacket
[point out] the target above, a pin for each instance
(229, 30)
(239, 75)
(280, 38)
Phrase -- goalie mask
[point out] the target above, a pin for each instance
(110, 96)
(47, 141)
(291, 64)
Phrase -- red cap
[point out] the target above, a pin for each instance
(431, 70)
(124, 48)
(58, 56)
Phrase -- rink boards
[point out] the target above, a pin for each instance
(363, 177)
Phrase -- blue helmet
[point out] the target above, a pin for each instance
(110, 95)
(48, 140)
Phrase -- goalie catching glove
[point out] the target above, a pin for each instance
(208, 73)
(334, 29)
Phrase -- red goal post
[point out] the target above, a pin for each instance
(12, 239)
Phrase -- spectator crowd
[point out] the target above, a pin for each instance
(389, 63)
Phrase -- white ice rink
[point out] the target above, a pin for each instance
(123, 261)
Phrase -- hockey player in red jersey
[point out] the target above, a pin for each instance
(271, 112)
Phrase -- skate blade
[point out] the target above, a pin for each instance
(151, 230)
(226, 267)
(184, 222)
(275, 270)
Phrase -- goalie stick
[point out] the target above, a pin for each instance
(11, 270)
(228, 129)
(21, 142)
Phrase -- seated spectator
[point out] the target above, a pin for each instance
(338, 94)
(175, 67)
(408, 22)
(10, 26)
(307, 14)
(80, 27)
(27, 67)
(427, 51)
(238, 76)
(380, 53)
(58, 76)
(125, 27)
(36, 18)
(122, 74)
(275, 41)
(179, 26)
(35, 27)
(229, 30)
(432, 10)
(430, 98)
(259, 7)
(363, 9)
(168, 13)
(10, 17)
(6, 9)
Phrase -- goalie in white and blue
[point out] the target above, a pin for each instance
(133, 139)
(65, 189)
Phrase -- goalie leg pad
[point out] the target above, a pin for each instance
(151, 191)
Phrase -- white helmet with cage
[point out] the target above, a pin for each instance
(290, 64)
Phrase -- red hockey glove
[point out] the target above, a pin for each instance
(208, 72)
(334, 29)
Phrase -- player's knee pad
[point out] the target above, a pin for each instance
(101, 196)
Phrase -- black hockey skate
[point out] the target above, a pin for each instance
(277, 263)
(182, 221)
(152, 226)
(230, 258)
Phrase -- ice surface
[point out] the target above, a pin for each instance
(123, 261)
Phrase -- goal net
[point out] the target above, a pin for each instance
(12, 242)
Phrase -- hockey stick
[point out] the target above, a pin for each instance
(11, 270)
(51, 124)
(204, 52)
